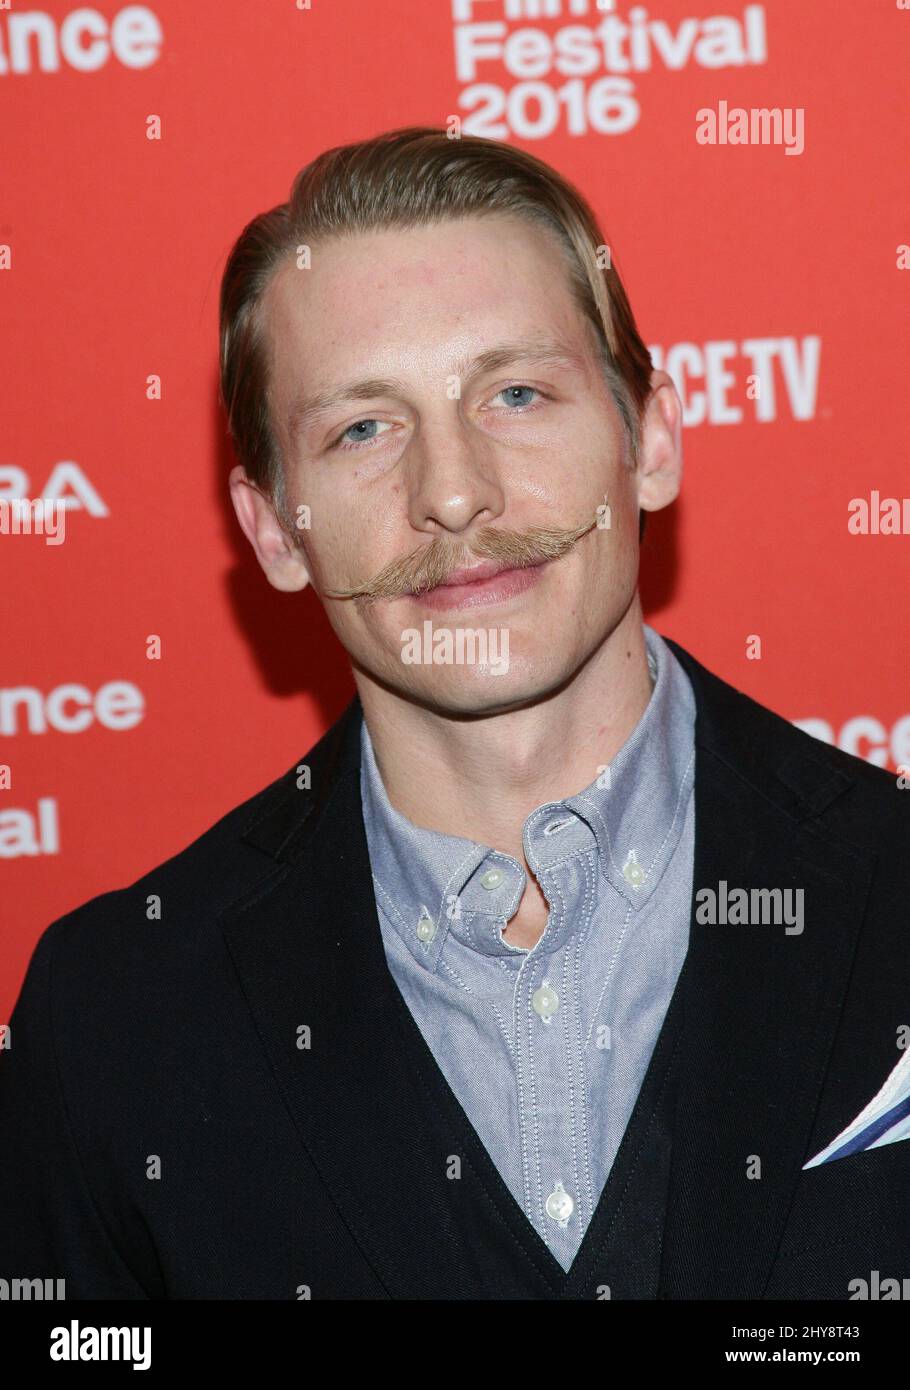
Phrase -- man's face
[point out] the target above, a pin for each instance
(445, 449)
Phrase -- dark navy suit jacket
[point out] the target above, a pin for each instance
(165, 1131)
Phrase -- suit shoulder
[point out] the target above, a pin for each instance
(809, 778)
(183, 893)
(872, 781)
(164, 928)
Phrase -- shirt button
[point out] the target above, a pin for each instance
(545, 1001)
(426, 927)
(491, 879)
(632, 871)
(559, 1205)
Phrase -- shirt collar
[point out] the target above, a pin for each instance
(632, 813)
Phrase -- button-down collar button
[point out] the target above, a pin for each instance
(491, 879)
(632, 871)
(426, 927)
(560, 1205)
(545, 1001)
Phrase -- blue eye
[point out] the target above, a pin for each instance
(509, 391)
(355, 434)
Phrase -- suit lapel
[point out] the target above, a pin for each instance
(761, 1007)
(370, 1105)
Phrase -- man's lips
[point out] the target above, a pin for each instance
(486, 584)
(476, 573)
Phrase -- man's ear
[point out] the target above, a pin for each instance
(282, 561)
(660, 457)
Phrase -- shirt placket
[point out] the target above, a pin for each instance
(550, 1079)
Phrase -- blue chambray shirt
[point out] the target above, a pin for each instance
(546, 1048)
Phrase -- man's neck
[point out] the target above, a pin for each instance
(481, 778)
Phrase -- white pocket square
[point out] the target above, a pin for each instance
(885, 1120)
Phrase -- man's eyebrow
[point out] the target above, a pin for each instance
(306, 410)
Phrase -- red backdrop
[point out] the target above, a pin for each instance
(772, 285)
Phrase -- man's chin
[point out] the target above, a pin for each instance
(481, 690)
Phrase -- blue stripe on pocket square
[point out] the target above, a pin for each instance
(885, 1120)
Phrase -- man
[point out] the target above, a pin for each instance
(552, 966)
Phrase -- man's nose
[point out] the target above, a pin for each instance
(453, 478)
